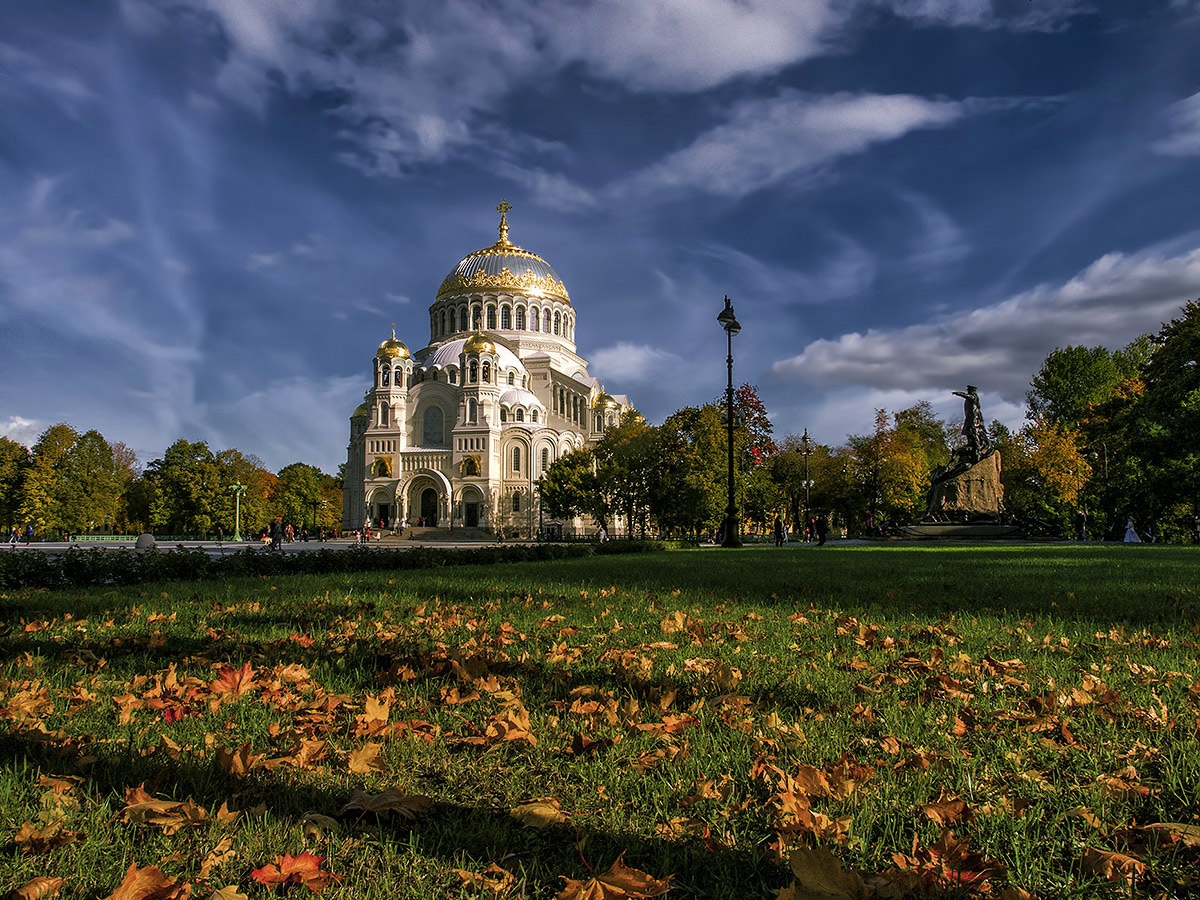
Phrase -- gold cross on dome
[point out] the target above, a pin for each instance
(503, 209)
(393, 331)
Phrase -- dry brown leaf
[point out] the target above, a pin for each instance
(819, 876)
(493, 879)
(619, 882)
(1084, 814)
(229, 892)
(1188, 835)
(1113, 866)
(393, 800)
(40, 888)
(540, 813)
(238, 762)
(149, 884)
(30, 839)
(365, 760)
(219, 854)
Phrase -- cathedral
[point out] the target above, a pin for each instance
(457, 434)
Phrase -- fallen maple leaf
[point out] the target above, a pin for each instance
(42, 840)
(1113, 866)
(393, 800)
(619, 882)
(216, 856)
(233, 683)
(40, 888)
(539, 813)
(304, 869)
(819, 876)
(238, 762)
(365, 760)
(149, 884)
(230, 892)
(493, 879)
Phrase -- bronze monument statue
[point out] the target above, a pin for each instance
(968, 488)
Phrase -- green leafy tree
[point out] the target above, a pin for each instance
(689, 494)
(568, 488)
(187, 489)
(1074, 379)
(299, 492)
(14, 460)
(44, 486)
(95, 476)
(626, 464)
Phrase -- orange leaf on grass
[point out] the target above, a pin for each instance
(819, 876)
(229, 892)
(1113, 866)
(304, 869)
(149, 884)
(540, 813)
(618, 883)
(366, 759)
(233, 682)
(42, 840)
(40, 888)
(238, 762)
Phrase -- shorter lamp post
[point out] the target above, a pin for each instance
(238, 489)
(729, 322)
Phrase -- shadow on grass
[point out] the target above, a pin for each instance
(455, 834)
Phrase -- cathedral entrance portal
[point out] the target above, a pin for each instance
(429, 507)
(471, 515)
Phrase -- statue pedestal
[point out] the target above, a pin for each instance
(973, 494)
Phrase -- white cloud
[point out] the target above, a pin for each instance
(258, 261)
(843, 272)
(1001, 347)
(636, 363)
(22, 430)
(1184, 122)
(25, 75)
(766, 141)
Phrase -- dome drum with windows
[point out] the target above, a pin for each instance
(499, 391)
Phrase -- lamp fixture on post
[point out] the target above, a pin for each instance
(806, 449)
(732, 533)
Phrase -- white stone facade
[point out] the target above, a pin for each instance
(458, 433)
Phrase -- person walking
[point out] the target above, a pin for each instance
(1131, 535)
(276, 534)
(1081, 525)
(822, 530)
(602, 535)
(778, 531)
(28, 534)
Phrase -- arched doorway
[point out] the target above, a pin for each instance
(472, 507)
(429, 507)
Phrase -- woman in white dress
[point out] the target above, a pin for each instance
(1131, 535)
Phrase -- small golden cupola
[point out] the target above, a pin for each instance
(604, 400)
(392, 348)
(478, 343)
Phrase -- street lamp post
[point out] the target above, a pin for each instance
(806, 449)
(238, 489)
(729, 322)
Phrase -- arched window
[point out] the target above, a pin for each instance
(520, 415)
(546, 321)
(385, 377)
(491, 317)
(472, 411)
(473, 372)
(516, 501)
(534, 319)
(383, 413)
(442, 330)
(487, 373)
(433, 427)
(516, 459)
(503, 414)
(453, 379)
(433, 375)
(557, 322)
(520, 318)
(453, 320)
(545, 458)
(512, 378)
(505, 318)
(533, 415)
(477, 318)
(599, 423)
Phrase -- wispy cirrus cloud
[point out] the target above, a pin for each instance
(1183, 124)
(769, 140)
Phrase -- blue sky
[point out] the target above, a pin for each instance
(211, 211)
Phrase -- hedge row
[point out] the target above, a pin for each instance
(92, 567)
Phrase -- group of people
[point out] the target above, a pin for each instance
(1131, 535)
(816, 530)
(15, 537)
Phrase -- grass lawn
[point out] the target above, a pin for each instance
(801, 723)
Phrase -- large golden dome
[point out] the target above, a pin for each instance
(504, 267)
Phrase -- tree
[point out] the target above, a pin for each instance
(44, 486)
(187, 489)
(625, 462)
(14, 460)
(1074, 379)
(689, 493)
(568, 488)
(95, 476)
